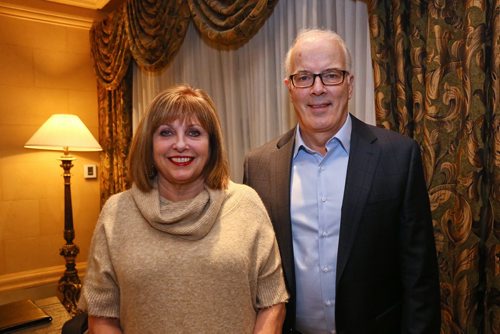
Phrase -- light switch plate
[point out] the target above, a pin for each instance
(90, 171)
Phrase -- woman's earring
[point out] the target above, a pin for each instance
(152, 172)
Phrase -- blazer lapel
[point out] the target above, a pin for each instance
(280, 210)
(361, 167)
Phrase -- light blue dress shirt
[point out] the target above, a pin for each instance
(317, 191)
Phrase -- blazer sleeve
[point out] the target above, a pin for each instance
(420, 277)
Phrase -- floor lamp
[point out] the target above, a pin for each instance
(67, 133)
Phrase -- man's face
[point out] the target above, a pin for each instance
(320, 109)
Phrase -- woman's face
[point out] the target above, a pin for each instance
(180, 152)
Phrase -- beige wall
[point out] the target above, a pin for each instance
(44, 69)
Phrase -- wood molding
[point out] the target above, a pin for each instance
(38, 277)
(92, 4)
(45, 16)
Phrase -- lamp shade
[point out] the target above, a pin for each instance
(63, 132)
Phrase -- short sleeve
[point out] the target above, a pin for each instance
(100, 292)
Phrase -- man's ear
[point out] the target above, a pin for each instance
(351, 84)
(288, 84)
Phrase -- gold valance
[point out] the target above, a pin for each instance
(155, 31)
(110, 50)
(233, 24)
(151, 32)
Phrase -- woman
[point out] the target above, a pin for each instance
(185, 250)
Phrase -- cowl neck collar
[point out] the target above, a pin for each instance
(190, 219)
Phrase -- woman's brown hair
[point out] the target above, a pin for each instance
(181, 102)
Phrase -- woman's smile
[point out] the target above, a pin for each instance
(181, 160)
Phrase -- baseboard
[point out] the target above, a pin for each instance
(38, 277)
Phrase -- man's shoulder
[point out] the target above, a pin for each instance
(273, 145)
(379, 135)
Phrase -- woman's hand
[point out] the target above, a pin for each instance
(102, 325)
(270, 320)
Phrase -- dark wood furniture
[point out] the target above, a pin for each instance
(56, 310)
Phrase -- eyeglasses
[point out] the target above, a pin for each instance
(331, 77)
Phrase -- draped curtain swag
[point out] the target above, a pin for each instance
(110, 50)
(155, 31)
(151, 32)
(230, 24)
(437, 80)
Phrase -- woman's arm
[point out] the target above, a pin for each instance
(102, 325)
(270, 320)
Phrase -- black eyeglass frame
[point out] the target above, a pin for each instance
(320, 75)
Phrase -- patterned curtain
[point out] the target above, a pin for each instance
(115, 132)
(436, 71)
(151, 33)
(112, 57)
(231, 24)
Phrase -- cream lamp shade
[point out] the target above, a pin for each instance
(64, 132)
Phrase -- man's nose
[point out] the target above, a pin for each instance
(318, 88)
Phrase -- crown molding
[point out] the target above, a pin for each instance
(45, 16)
(91, 4)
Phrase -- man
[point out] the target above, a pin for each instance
(349, 206)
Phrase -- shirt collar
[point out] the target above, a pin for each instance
(343, 136)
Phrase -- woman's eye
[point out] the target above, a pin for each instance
(166, 132)
(194, 133)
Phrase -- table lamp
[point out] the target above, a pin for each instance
(67, 133)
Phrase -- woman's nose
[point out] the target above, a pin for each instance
(180, 143)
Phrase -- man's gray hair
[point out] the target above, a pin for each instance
(326, 35)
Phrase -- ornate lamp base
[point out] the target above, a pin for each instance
(69, 284)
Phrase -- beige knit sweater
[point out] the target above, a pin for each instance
(200, 266)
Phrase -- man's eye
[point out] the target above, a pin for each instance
(303, 77)
(330, 75)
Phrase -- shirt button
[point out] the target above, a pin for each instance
(324, 234)
(328, 303)
(323, 199)
(325, 269)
